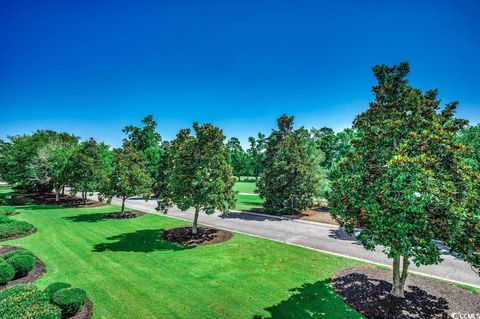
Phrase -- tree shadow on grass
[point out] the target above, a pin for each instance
(39, 207)
(90, 218)
(145, 241)
(311, 300)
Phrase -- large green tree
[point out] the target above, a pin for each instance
(129, 176)
(288, 183)
(255, 154)
(405, 182)
(88, 172)
(470, 137)
(198, 174)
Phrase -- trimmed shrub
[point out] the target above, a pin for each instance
(7, 210)
(54, 287)
(26, 301)
(6, 272)
(12, 253)
(13, 227)
(22, 263)
(4, 219)
(70, 300)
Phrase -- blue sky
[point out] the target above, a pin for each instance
(92, 67)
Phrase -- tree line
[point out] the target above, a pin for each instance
(406, 173)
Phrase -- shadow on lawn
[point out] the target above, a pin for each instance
(91, 218)
(311, 300)
(145, 241)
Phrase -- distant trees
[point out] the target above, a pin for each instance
(405, 181)
(129, 176)
(470, 137)
(255, 153)
(288, 182)
(237, 158)
(198, 175)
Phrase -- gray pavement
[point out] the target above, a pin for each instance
(316, 236)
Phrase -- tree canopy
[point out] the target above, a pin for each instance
(405, 182)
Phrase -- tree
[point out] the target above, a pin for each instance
(88, 169)
(326, 139)
(129, 176)
(198, 173)
(59, 155)
(255, 153)
(147, 140)
(236, 157)
(405, 183)
(288, 182)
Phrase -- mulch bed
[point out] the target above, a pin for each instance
(86, 313)
(367, 291)
(65, 201)
(33, 230)
(205, 236)
(125, 215)
(33, 275)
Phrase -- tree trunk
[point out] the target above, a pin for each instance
(195, 222)
(57, 194)
(123, 205)
(84, 196)
(399, 276)
(63, 190)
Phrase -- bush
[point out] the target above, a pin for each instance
(13, 227)
(12, 253)
(7, 210)
(6, 272)
(70, 300)
(22, 263)
(54, 287)
(4, 219)
(26, 301)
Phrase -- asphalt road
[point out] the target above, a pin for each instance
(321, 237)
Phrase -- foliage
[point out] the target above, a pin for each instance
(22, 263)
(255, 153)
(16, 252)
(70, 300)
(470, 137)
(54, 287)
(405, 182)
(24, 159)
(7, 210)
(198, 175)
(289, 182)
(6, 272)
(10, 227)
(237, 158)
(88, 168)
(26, 301)
(129, 176)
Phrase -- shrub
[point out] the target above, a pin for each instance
(6, 272)
(12, 253)
(54, 287)
(22, 263)
(7, 210)
(70, 300)
(26, 301)
(4, 219)
(13, 228)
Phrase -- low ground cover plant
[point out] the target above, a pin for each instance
(11, 227)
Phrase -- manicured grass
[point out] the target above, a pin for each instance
(245, 187)
(248, 202)
(129, 272)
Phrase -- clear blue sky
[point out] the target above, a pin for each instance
(92, 67)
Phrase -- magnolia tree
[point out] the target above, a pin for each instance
(405, 184)
(129, 176)
(289, 181)
(197, 173)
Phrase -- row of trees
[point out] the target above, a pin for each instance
(406, 173)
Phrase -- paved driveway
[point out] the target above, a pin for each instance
(322, 237)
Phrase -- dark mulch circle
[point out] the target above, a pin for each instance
(86, 313)
(33, 275)
(124, 215)
(33, 230)
(65, 201)
(205, 236)
(367, 291)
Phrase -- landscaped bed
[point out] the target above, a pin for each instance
(367, 290)
(31, 273)
(204, 236)
(64, 200)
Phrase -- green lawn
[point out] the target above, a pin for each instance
(129, 272)
(247, 199)
(245, 187)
